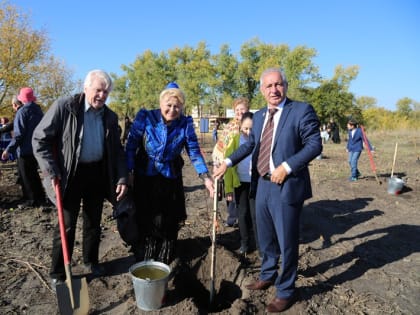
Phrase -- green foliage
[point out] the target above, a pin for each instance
(378, 118)
(404, 107)
(210, 82)
(366, 102)
(332, 99)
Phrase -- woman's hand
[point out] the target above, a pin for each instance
(209, 185)
(121, 191)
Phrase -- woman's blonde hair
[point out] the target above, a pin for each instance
(172, 92)
(241, 100)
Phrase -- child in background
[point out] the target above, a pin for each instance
(245, 204)
(354, 148)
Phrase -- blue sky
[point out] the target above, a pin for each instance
(381, 37)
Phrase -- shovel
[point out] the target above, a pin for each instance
(372, 163)
(395, 158)
(213, 240)
(72, 295)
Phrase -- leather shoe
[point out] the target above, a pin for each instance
(280, 304)
(259, 285)
(55, 282)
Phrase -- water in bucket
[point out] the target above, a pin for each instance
(395, 185)
(150, 281)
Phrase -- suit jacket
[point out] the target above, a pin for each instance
(355, 143)
(297, 141)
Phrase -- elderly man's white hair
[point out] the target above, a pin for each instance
(102, 75)
(271, 70)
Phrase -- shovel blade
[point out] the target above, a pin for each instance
(79, 289)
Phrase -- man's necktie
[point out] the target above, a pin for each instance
(263, 164)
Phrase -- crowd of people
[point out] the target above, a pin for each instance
(261, 159)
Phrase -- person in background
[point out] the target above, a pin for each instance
(5, 136)
(8, 127)
(240, 106)
(244, 198)
(334, 131)
(127, 127)
(24, 123)
(354, 148)
(77, 144)
(214, 132)
(153, 149)
(285, 137)
(324, 134)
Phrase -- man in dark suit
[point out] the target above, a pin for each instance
(280, 165)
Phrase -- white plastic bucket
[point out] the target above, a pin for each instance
(150, 281)
(395, 185)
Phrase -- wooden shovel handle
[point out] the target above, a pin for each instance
(63, 233)
(395, 158)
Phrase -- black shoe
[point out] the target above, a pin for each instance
(95, 269)
(232, 225)
(55, 282)
(243, 250)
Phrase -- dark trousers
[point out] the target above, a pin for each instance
(246, 214)
(86, 187)
(30, 180)
(278, 234)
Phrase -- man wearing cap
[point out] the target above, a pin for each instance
(26, 119)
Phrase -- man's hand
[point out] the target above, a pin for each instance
(220, 170)
(279, 175)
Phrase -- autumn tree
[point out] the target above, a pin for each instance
(21, 47)
(404, 107)
(210, 82)
(193, 70)
(223, 87)
(366, 102)
(332, 98)
(25, 61)
(257, 56)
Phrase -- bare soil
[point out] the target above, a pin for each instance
(359, 253)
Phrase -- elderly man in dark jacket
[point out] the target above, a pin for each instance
(78, 143)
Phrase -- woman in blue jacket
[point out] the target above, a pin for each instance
(154, 145)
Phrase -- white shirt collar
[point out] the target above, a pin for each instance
(280, 105)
